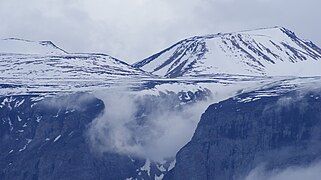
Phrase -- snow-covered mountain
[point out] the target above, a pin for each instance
(45, 67)
(270, 51)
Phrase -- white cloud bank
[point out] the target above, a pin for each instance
(163, 132)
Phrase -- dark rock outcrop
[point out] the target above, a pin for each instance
(234, 137)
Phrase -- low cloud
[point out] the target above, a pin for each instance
(144, 126)
(75, 101)
(311, 172)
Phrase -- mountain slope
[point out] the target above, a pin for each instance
(272, 51)
(80, 66)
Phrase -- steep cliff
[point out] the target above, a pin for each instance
(242, 133)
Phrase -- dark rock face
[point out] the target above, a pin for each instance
(234, 137)
(46, 140)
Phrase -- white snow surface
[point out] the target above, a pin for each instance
(63, 67)
(57, 138)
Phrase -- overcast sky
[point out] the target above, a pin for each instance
(134, 29)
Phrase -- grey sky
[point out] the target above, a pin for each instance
(134, 29)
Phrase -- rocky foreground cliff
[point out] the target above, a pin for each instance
(238, 135)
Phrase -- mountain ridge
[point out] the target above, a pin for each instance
(251, 51)
(14, 45)
(41, 66)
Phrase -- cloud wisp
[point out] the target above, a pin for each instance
(311, 172)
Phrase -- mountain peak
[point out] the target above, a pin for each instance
(16, 39)
(22, 46)
(265, 51)
(266, 28)
(258, 31)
